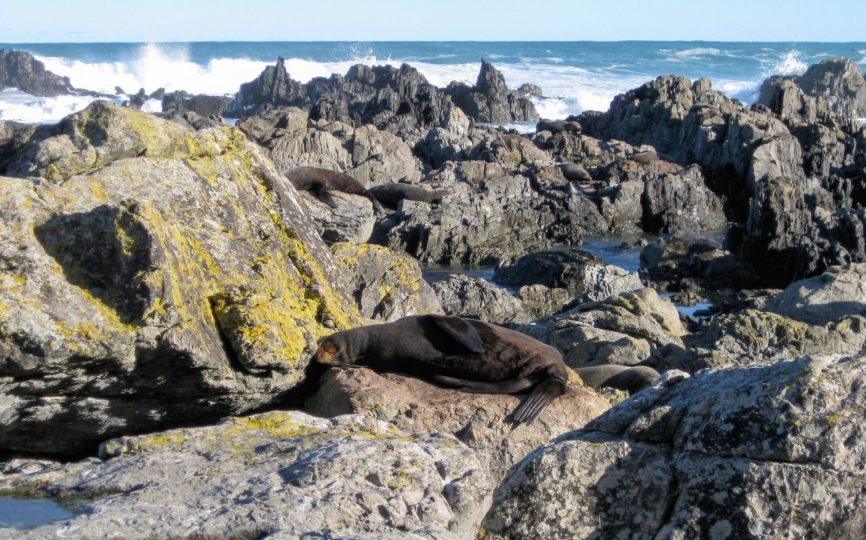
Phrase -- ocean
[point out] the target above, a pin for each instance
(575, 76)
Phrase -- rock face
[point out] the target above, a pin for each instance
(489, 218)
(386, 286)
(710, 456)
(490, 100)
(477, 298)
(580, 272)
(837, 293)
(18, 69)
(201, 104)
(396, 99)
(144, 292)
(278, 474)
(479, 420)
(694, 265)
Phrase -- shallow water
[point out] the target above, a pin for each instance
(611, 251)
(28, 513)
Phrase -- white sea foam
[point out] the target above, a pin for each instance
(789, 64)
(21, 107)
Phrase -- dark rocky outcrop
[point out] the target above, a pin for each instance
(397, 99)
(201, 104)
(19, 69)
(839, 83)
(490, 100)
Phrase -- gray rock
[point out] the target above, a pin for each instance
(201, 104)
(831, 296)
(19, 69)
(351, 221)
(840, 82)
(580, 272)
(709, 456)
(681, 203)
(278, 473)
(386, 286)
(695, 265)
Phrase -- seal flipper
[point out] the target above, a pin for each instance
(461, 331)
(509, 386)
(538, 400)
(323, 195)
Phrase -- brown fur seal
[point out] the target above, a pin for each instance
(462, 353)
(630, 378)
(391, 194)
(645, 158)
(320, 182)
(575, 173)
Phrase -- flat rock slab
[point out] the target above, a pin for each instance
(479, 420)
(285, 474)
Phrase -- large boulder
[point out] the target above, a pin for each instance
(623, 329)
(490, 100)
(690, 264)
(711, 456)
(840, 82)
(177, 287)
(477, 298)
(19, 69)
(478, 420)
(277, 474)
(580, 272)
(385, 286)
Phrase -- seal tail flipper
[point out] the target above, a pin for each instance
(538, 400)
(377, 206)
(509, 386)
(323, 195)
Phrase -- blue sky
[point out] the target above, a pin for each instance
(385, 20)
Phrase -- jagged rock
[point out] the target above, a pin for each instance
(835, 294)
(371, 156)
(681, 203)
(177, 287)
(530, 90)
(447, 142)
(840, 82)
(711, 456)
(622, 329)
(478, 420)
(500, 217)
(792, 234)
(18, 69)
(477, 298)
(386, 286)
(540, 301)
(200, 104)
(582, 274)
(510, 151)
(399, 100)
(591, 153)
(490, 100)
(273, 474)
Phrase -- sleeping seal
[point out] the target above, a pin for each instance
(320, 182)
(469, 355)
(391, 194)
(630, 378)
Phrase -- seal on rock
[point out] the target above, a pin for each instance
(320, 182)
(391, 194)
(630, 378)
(466, 354)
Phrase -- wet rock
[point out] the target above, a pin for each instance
(177, 287)
(386, 287)
(582, 274)
(478, 420)
(277, 473)
(623, 329)
(490, 100)
(837, 293)
(19, 69)
(711, 455)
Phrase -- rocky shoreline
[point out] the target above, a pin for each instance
(163, 286)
